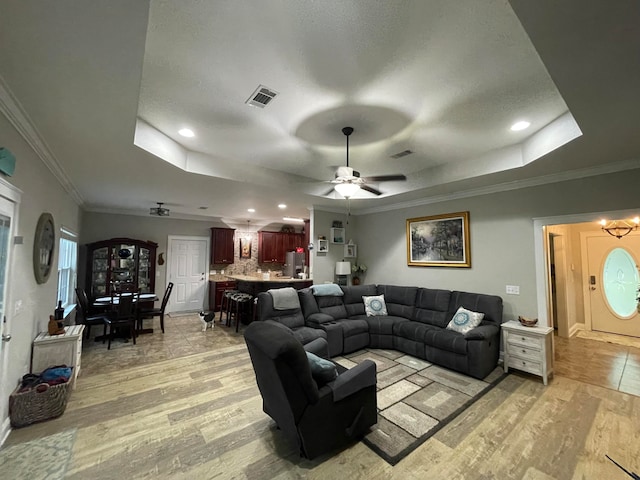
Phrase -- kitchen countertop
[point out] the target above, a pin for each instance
(272, 278)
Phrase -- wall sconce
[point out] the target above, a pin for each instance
(620, 228)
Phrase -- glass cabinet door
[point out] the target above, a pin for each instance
(144, 270)
(100, 263)
(123, 265)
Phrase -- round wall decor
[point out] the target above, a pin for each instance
(44, 244)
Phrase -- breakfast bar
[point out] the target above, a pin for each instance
(254, 285)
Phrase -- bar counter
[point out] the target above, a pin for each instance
(255, 285)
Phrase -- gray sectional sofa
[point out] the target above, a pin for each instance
(415, 324)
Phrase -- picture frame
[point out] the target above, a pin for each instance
(245, 248)
(337, 236)
(439, 241)
(350, 251)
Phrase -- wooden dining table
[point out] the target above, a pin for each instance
(115, 300)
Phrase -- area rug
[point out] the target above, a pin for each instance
(610, 338)
(415, 399)
(43, 458)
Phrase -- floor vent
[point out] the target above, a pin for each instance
(402, 154)
(261, 97)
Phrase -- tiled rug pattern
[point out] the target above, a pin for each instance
(415, 399)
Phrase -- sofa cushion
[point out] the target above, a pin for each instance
(446, 340)
(400, 300)
(465, 320)
(415, 331)
(490, 305)
(353, 298)
(383, 325)
(308, 334)
(327, 289)
(375, 306)
(332, 306)
(352, 327)
(432, 307)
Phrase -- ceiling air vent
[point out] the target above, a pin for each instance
(402, 154)
(261, 97)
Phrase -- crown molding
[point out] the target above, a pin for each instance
(507, 186)
(17, 116)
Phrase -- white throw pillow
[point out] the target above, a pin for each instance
(374, 305)
(465, 320)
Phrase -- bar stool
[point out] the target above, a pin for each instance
(225, 305)
(239, 302)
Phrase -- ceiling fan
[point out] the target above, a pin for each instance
(348, 181)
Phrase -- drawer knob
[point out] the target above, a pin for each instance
(524, 363)
(524, 351)
(523, 339)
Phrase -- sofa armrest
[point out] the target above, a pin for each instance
(353, 380)
(318, 347)
(316, 320)
(482, 332)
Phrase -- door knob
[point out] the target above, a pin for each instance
(593, 288)
(6, 337)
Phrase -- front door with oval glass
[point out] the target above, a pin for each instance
(613, 285)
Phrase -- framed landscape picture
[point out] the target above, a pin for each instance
(439, 241)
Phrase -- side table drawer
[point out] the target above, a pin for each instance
(524, 352)
(526, 365)
(525, 341)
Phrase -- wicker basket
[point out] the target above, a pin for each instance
(33, 406)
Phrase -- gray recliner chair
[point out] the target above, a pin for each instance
(318, 418)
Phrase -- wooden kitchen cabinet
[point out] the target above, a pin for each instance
(216, 290)
(222, 246)
(270, 247)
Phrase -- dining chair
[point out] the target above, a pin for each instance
(154, 312)
(123, 316)
(86, 316)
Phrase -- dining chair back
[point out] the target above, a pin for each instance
(154, 312)
(86, 317)
(124, 315)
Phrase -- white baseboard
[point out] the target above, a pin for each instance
(5, 430)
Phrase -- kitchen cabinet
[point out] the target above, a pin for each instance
(222, 246)
(216, 290)
(116, 261)
(273, 246)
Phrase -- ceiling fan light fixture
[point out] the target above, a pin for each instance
(159, 211)
(347, 190)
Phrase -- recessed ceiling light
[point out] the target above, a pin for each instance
(282, 205)
(292, 219)
(516, 127)
(251, 210)
(186, 132)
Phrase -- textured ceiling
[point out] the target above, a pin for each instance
(108, 84)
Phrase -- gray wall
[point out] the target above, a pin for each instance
(324, 264)
(41, 192)
(502, 236)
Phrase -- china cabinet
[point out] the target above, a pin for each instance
(111, 263)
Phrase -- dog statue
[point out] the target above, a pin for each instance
(207, 320)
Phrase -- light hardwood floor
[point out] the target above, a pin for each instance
(185, 405)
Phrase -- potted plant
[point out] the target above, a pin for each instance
(357, 269)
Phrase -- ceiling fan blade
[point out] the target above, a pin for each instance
(370, 189)
(386, 178)
(327, 192)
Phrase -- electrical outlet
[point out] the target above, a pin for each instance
(513, 290)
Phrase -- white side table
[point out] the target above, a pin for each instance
(65, 349)
(529, 349)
